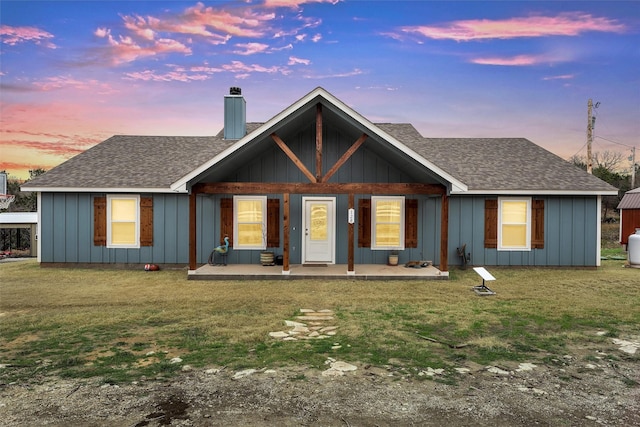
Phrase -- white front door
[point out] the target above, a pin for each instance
(319, 227)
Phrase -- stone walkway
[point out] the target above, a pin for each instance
(310, 324)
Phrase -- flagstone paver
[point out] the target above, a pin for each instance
(310, 324)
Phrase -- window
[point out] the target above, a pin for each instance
(123, 221)
(514, 224)
(145, 221)
(387, 222)
(250, 222)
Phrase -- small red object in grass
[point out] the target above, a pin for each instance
(151, 267)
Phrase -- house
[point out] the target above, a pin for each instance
(629, 208)
(319, 184)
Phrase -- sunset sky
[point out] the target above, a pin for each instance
(74, 73)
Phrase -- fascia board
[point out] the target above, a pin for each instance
(535, 193)
(455, 183)
(98, 190)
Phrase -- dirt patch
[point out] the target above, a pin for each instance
(594, 386)
(173, 408)
(20, 341)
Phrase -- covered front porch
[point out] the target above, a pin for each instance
(330, 271)
(298, 172)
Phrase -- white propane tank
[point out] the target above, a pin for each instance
(634, 248)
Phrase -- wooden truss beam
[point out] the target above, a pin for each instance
(317, 188)
(319, 143)
(284, 147)
(346, 156)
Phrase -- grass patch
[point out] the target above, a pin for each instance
(124, 325)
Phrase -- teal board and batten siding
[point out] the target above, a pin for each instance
(66, 231)
(428, 232)
(66, 234)
(570, 234)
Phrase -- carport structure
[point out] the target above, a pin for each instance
(18, 221)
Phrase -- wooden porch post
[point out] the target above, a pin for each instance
(319, 142)
(350, 237)
(444, 233)
(286, 226)
(192, 231)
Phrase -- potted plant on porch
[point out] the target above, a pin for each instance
(267, 258)
(393, 258)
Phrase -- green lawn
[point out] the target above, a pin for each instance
(122, 325)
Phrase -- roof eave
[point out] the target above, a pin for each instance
(99, 190)
(538, 192)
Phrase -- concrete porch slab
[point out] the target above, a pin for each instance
(331, 271)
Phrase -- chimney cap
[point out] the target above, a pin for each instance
(235, 91)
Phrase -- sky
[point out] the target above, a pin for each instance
(74, 73)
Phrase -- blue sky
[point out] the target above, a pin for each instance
(73, 73)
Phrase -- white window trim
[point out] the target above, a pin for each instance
(111, 197)
(236, 244)
(527, 246)
(374, 201)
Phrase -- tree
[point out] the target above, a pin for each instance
(30, 199)
(24, 201)
(606, 163)
(609, 160)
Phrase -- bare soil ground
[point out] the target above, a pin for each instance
(591, 386)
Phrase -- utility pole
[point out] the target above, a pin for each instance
(633, 167)
(589, 135)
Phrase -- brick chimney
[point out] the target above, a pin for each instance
(235, 114)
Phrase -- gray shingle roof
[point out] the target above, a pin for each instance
(131, 161)
(484, 165)
(493, 164)
(127, 161)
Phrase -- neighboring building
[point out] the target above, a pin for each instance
(320, 184)
(13, 223)
(629, 208)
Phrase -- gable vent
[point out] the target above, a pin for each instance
(235, 114)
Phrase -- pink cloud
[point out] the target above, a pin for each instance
(205, 69)
(125, 49)
(294, 4)
(519, 60)
(102, 32)
(251, 48)
(246, 24)
(15, 35)
(294, 61)
(201, 21)
(241, 68)
(60, 82)
(565, 24)
(278, 49)
(139, 27)
(204, 72)
(65, 145)
(354, 72)
(177, 75)
(25, 150)
(149, 36)
(561, 77)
